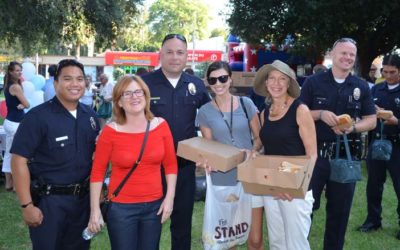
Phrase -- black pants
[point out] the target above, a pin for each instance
(376, 179)
(64, 219)
(181, 218)
(339, 200)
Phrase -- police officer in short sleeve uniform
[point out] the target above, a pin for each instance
(386, 96)
(52, 151)
(328, 95)
(176, 96)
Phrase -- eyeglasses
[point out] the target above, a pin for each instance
(129, 94)
(171, 36)
(344, 40)
(221, 79)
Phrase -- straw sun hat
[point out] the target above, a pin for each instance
(262, 74)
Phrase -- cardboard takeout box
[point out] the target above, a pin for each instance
(220, 156)
(261, 175)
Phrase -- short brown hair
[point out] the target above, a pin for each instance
(118, 113)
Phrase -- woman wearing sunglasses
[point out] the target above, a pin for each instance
(224, 119)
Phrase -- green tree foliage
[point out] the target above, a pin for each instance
(21, 23)
(135, 34)
(41, 24)
(177, 16)
(216, 32)
(117, 73)
(315, 25)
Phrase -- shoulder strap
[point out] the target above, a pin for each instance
(266, 112)
(118, 189)
(347, 147)
(244, 108)
(247, 116)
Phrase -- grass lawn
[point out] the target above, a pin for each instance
(14, 234)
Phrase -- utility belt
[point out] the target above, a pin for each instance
(328, 149)
(39, 188)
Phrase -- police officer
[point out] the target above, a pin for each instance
(329, 94)
(176, 96)
(386, 96)
(52, 157)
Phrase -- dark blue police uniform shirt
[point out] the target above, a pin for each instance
(58, 146)
(178, 106)
(388, 99)
(322, 92)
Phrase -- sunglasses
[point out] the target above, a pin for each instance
(344, 40)
(171, 36)
(221, 79)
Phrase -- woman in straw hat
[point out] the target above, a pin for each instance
(287, 129)
(224, 119)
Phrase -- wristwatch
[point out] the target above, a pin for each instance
(27, 204)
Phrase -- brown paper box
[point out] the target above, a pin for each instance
(220, 156)
(261, 176)
(236, 78)
(242, 79)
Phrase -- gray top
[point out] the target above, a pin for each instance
(210, 117)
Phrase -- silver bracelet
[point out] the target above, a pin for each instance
(320, 114)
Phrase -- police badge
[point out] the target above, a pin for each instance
(192, 88)
(93, 123)
(397, 102)
(356, 94)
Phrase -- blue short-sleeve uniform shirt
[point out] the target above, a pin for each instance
(58, 146)
(388, 99)
(322, 92)
(178, 106)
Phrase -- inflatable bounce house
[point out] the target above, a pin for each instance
(245, 59)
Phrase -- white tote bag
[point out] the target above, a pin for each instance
(227, 216)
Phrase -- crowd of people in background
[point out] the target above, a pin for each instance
(139, 122)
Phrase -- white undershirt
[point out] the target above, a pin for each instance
(338, 80)
(392, 86)
(73, 113)
(173, 81)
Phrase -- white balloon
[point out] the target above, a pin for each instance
(28, 88)
(35, 99)
(29, 101)
(28, 70)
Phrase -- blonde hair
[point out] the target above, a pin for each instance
(119, 113)
(268, 97)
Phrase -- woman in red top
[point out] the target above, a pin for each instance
(136, 214)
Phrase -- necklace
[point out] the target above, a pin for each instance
(230, 127)
(276, 110)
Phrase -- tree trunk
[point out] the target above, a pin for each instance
(365, 58)
(77, 50)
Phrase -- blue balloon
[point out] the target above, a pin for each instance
(38, 81)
